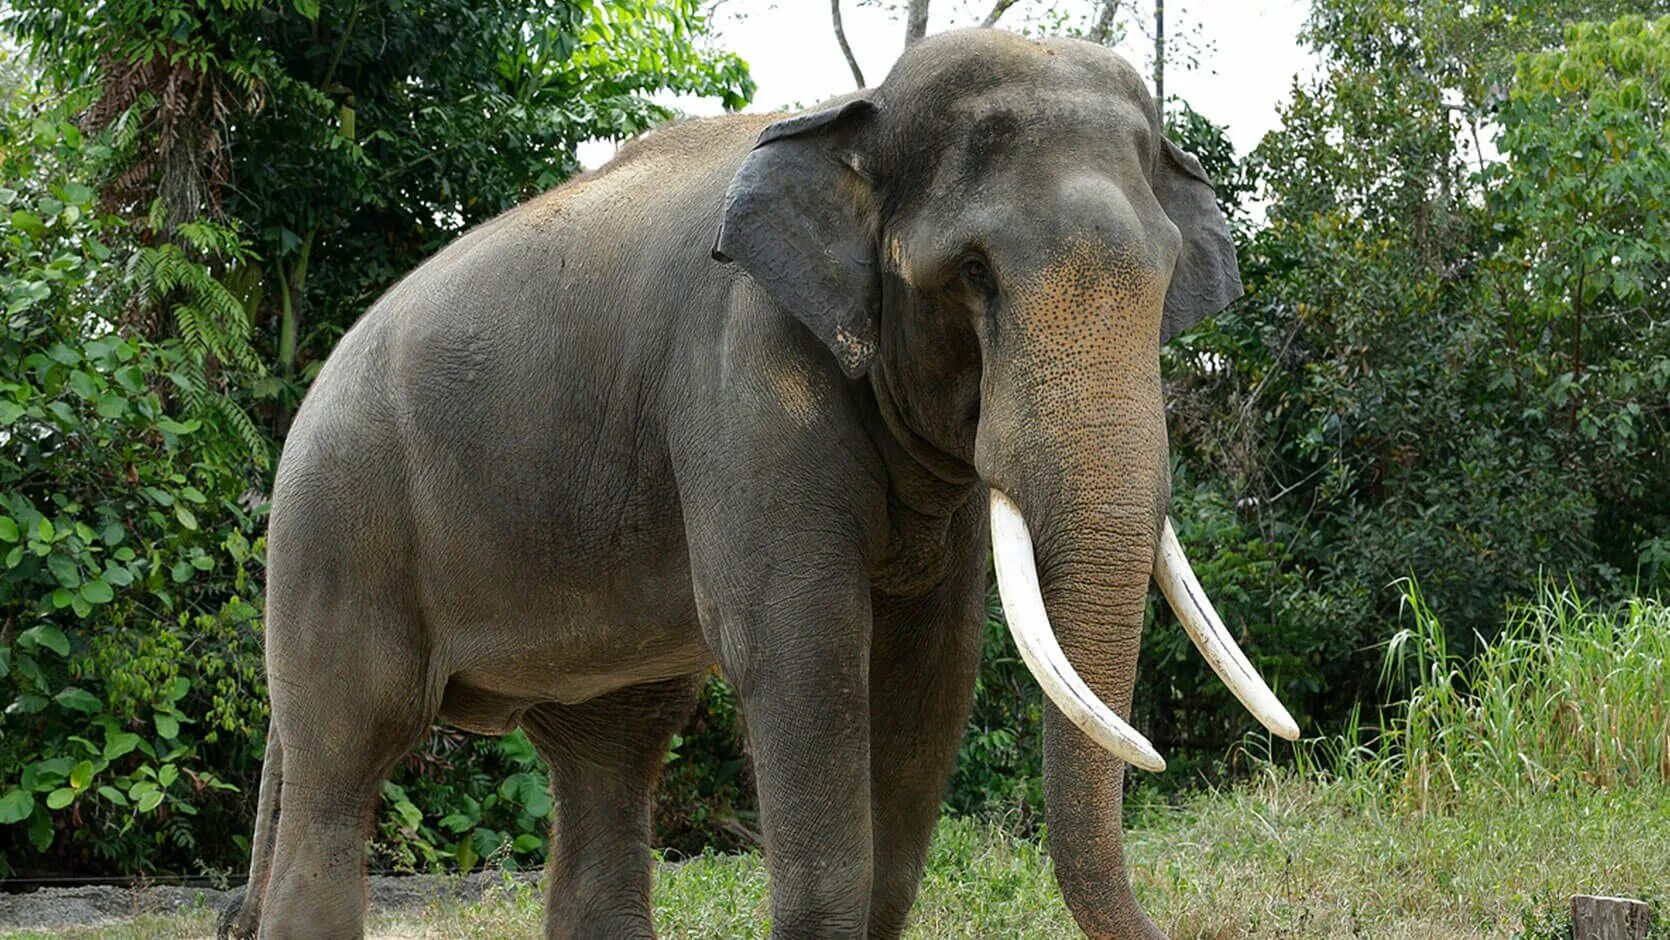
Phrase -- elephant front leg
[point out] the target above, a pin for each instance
(796, 652)
(923, 665)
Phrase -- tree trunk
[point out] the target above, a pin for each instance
(1160, 57)
(841, 37)
(916, 22)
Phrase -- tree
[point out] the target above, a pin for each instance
(1446, 364)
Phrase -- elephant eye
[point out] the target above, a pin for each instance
(979, 275)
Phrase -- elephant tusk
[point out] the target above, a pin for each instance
(1178, 583)
(1023, 607)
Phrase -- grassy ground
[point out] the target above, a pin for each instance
(1279, 857)
(1499, 787)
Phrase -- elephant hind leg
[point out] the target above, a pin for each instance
(352, 692)
(605, 757)
(242, 915)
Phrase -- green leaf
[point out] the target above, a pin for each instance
(97, 592)
(28, 223)
(78, 699)
(119, 743)
(112, 405)
(410, 815)
(41, 831)
(44, 530)
(10, 411)
(16, 806)
(64, 568)
(167, 726)
(113, 795)
(456, 822)
(48, 636)
(466, 853)
(8, 529)
(26, 705)
(84, 385)
(60, 798)
(150, 801)
(186, 517)
(78, 194)
(176, 427)
(81, 775)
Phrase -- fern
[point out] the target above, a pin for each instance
(214, 328)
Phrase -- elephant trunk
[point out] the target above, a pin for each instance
(1072, 442)
(1078, 498)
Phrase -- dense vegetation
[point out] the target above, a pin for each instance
(1452, 363)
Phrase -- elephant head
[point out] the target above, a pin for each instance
(998, 239)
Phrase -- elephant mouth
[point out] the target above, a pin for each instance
(1023, 607)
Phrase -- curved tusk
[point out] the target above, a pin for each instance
(1178, 583)
(1023, 607)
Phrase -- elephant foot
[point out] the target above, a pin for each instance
(236, 923)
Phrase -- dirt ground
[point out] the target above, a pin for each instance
(92, 906)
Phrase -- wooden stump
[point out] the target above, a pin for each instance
(1598, 918)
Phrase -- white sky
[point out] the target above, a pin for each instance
(1248, 53)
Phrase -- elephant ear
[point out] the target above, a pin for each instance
(1207, 278)
(800, 219)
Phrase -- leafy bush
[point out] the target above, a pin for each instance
(1450, 362)
(128, 654)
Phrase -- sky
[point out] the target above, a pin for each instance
(1248, 53)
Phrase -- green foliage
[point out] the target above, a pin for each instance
(706, 798)
(461, 802)
(128, 653)
(1450, 361)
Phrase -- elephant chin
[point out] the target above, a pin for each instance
(1023, 607)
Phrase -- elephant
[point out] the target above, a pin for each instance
(764, 393)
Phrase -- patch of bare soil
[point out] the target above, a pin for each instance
(102, 905)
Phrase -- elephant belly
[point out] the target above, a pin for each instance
(551, 637)
(490, 698)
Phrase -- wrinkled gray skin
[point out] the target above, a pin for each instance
(738, 403)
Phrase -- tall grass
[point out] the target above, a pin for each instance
(1568, 694)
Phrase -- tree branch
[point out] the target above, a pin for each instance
(1103, 28)
(841, 37)
(916, 22)
(998, 9)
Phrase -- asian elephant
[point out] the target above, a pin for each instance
(739, 398)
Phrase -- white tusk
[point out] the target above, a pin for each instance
(1023, 607)
(1177, 581)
